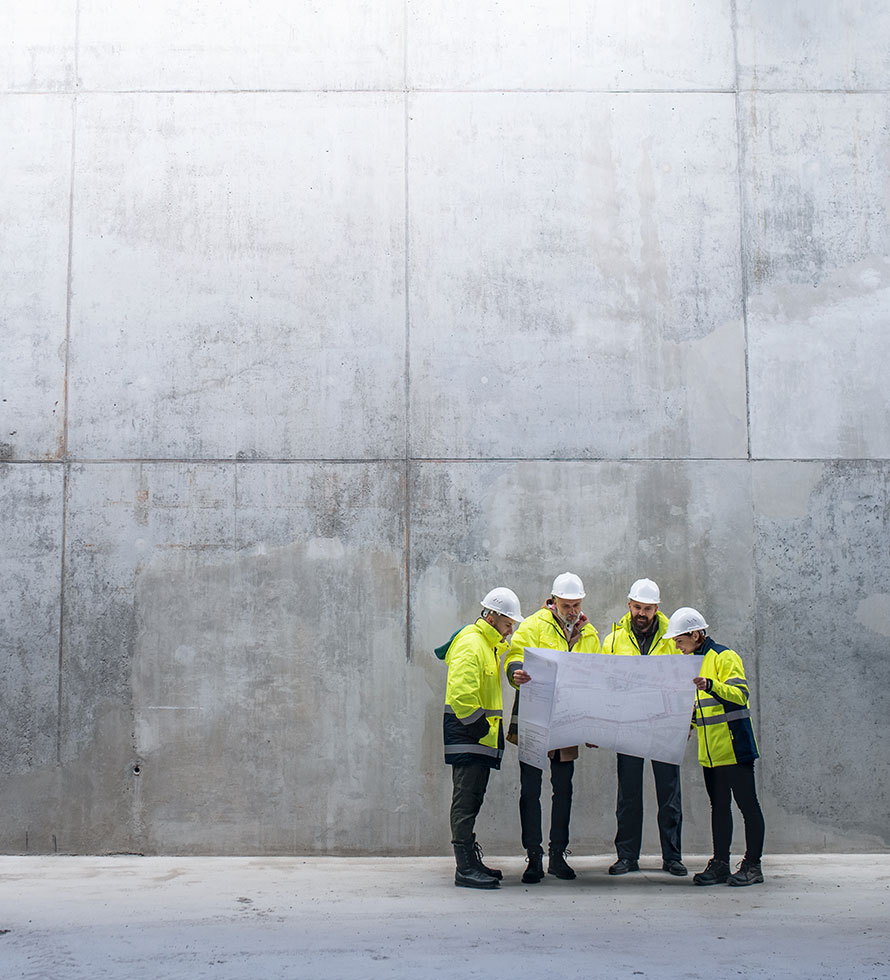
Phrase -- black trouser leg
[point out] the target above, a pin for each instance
(745, 793)
(561, 774)
(723, 783)
(670, 809)
(530, 805)
(629, 811)
(719, 793)
(469, 784)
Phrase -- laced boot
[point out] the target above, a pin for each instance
(535, 870)
(468, 875)
(715, 873)
(478, 853)
(557, 864)
(748, 873)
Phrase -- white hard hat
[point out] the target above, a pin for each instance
(644, 590)
(568, 586)
(685, 620)
(505, 602)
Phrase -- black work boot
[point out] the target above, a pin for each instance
(535, 870)
(749, 873)
(557, 865)
(623, 865)
(715, 873)
(468, 875)
(478, 854)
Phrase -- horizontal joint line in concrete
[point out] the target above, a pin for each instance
(381, 91)
(63, 93)
(288, 461)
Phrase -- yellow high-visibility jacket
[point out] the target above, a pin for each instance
(543, 631)
(622, 640)
(471, 724)
(725, 733)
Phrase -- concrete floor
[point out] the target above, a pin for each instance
(130, 918)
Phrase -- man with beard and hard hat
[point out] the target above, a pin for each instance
(558, 625)
(641, 633)
(471, 724)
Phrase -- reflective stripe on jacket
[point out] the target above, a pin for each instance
(543, 631)
(623, 641)
(471, 724)
(725, 733)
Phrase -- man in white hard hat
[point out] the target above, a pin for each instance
(726, 748)
(473, 733)
(559, 625)
(641, 632)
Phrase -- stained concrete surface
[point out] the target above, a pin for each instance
(531, 44)
(569, 244)
(479, 293)
(33, 264)
(301, 356)
(789, 45)
(131, 918)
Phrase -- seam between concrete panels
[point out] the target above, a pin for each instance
(743, 279)
(407, 334)
(761, 90)
(740, 188)
(398, 460)
(63, 453)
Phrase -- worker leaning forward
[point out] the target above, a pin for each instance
(726, 748)
(474, 738)
(642, 632)
(558, 625)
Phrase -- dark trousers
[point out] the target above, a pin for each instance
(468, 791)
(723, 783)
(530, 804)
(629, 811)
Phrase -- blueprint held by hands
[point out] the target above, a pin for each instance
(639, 706)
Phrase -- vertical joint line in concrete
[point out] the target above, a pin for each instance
(407, 336)
(740, 177)
(68, 284)
(66, 466)
(740, 173)
(61, 657)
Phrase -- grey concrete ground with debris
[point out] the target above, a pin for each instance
(134, 918)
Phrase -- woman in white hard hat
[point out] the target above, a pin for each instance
(726, 748)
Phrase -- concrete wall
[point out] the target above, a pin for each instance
(319, 320)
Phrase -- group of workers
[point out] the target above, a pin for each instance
(474, 735)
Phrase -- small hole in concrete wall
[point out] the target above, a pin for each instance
(137, 770)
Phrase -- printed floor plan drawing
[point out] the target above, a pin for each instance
(640, 706)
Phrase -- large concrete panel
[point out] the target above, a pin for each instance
(30, 570)
(575, 283)
(34, 206)
(477, 525)
(234, 674)
(239, 293)
(232, 44)
(793, 44)
(817, 200)
(823, 623)
(536, 44)
(37, 45)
